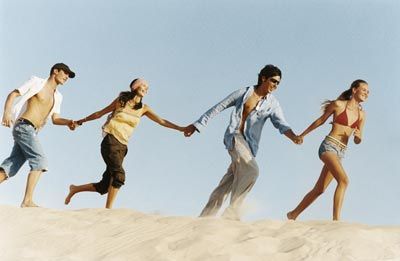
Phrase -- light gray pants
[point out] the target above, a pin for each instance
(238, 180)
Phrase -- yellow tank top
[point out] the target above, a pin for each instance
(122, 123)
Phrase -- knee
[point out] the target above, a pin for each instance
(318, 191)
(344, 181)
(118, 180)
(254, 171)
(101, 187)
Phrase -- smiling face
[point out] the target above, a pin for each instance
(141, 87)
(361, 93)
(60, 76)
(268, 85)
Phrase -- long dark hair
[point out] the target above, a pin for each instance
(124, 97)
(344, 96)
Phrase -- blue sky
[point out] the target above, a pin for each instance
(193, 54)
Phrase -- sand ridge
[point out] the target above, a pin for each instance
(124, 234)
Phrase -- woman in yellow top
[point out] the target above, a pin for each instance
(126, 111)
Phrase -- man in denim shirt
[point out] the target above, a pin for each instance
(252, 107)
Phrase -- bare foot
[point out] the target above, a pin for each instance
(290, 215)
(72, 191)
(28, 205)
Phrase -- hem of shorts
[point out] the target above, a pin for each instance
(97, 190)
(329, 151)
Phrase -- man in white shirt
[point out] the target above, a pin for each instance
(38, 101)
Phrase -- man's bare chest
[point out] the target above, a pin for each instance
(250, 105)
(43, 98)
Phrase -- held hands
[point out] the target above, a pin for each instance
(298, 139)
(72, 125)
(81, 121)
(189, 130)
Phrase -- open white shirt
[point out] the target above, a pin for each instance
(27, 91)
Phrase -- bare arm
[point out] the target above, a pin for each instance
(7, 117)
(57, 120)
(99, 114)
(321, 120)
(163, 122)
(359, 130)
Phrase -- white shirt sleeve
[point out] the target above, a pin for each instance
(24, 88)
(57, 103)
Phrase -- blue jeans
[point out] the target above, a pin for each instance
(26, 148)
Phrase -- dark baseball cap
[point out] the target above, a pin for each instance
(64, 67)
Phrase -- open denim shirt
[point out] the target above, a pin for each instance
(268, 107)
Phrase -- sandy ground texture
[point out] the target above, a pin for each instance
(123, 234)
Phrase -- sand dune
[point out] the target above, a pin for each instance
(121, 234)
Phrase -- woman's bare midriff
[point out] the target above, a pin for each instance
(341, 133)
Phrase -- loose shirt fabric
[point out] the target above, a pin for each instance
(27, 91)
(267, 108)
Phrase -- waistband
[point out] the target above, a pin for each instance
(22, 120)
(336, 142)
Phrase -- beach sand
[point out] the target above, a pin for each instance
(124, 234)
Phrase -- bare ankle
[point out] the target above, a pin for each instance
(291, 215)
(28, 204)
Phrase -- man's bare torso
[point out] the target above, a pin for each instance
(39, 106)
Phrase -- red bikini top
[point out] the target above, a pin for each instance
(343, 120)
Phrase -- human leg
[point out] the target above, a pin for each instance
(244, 179)
(332, 161)
(324, 180)
(25, 137)
(112, 194)
(80, 188)
(113, 153)
(31, 182)
(13, 163)
(101, 187)
(245, 175)
(219, 194)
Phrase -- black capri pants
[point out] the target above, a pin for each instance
(113, 153)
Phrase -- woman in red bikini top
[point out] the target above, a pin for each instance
(348, 119)
(343, 120)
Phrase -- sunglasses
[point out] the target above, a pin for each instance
(274, 81)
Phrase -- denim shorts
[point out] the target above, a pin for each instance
(26, 148)
(333, 146)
